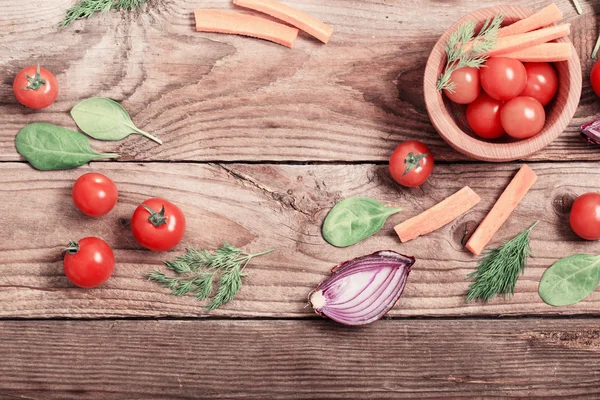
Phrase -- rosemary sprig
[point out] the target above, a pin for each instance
(197, 269)
(464, 49)
(498, 270)
(86, 8)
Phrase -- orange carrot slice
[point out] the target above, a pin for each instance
(547, 52)
(546, 16)
(510, 44)
(437, 216)
(294, 17)
(505, 205)
(237, 23)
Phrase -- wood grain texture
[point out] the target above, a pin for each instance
(300, 359)
(449, 118)
(222, 97)
(257, 207)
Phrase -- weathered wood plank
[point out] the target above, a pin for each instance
(221, 97)
(282, 206)
(526, 358)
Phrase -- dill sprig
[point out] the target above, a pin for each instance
(197, 270)
(464, 49)
(86, 8)
(498, 270)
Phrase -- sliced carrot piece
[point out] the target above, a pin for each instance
(546, 16)
(547, 52)
(510, 44)
(437, 216)
(237, 23)
(294, 17)
(508, 201)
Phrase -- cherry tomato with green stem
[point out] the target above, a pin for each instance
(411, 163)
(158, 224)
(35, 87)
(94, 194)
(89, 262)
(585, 216)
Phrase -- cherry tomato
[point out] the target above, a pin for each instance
(503, 78)
(35, 87)
(542, 82)
(483, 116)
(466, 85)
(585, 216)
(158, 224)
(94, 194)
(595, 78)
(411, 163)
(523, 117)
(89, 263)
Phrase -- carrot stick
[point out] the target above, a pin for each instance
(437, 216)
(510, 44)
(546, 16)
(547, 52)
(227, 21)
(294, 17)
(508, 201)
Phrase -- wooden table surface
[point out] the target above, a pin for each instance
(260, 141)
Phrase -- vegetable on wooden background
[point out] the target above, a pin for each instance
(354, 219)
(364, 289)
(197, 270)
(86, 8)
(238, 23)
(105, 119)
(297, 18)
(499, 269)
(508, 201)
(35, 87)
(437, 216)
(88, 263)
(546, 16)
(570, 280)
(50, 147)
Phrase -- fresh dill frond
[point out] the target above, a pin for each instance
(465, 49)
(498, 270)
(197, 270)
(87, 8)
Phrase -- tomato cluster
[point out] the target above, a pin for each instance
(512, 100)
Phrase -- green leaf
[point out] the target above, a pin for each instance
(570, 280)
(354, 219)
(50, 147)
(105, 119)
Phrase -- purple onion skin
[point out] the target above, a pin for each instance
(398, 267)
(591, 132)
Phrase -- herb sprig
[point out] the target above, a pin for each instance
(465, 49)
(498, 270)
(198, 269)
(86, 8)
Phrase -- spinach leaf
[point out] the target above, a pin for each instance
(354, 219)
(50, 147)
(105, 119)
(570, 280)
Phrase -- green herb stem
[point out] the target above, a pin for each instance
(148, 135)
(87, 8)
(578, 7)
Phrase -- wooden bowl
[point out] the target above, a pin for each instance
(449, 118)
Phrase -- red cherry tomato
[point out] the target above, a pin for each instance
(89, 263)
(595, 78)
(523, 117)
(411, 163)
(585, 216)
(483, 116)
(466, 85)
(542, 82)
(94, 194)
(35, 87)
(158, 224)
(503, 78)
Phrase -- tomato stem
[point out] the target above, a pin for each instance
(72, 247)
(412, 161)
(156, 218)
(35, 82)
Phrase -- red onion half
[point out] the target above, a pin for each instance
(362, 290)
(591, 132)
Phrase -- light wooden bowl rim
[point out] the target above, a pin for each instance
(461, 141)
